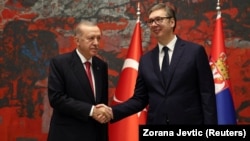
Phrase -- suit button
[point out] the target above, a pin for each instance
(167, 121)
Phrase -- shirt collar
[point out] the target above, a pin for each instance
(170, 45)
(83, 59)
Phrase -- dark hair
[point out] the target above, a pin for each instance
(170, 11)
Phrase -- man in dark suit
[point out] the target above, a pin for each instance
(73, 93)
(179, 90)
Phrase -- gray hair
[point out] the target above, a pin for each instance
(78, 31)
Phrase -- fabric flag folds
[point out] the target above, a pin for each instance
(127, 129)
(218, 62)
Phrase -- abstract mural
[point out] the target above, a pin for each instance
(33, 31)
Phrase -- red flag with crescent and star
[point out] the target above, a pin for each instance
(127, 129)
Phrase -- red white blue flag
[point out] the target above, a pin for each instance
(218, 62)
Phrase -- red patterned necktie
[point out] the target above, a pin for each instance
(87, 64)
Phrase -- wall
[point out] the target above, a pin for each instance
(33, 31)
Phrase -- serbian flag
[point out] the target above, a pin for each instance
(218, 62)
(127, 129)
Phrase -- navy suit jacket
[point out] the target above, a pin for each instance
(188, 97)
(71, 98)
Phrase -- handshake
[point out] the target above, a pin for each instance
(102, 113)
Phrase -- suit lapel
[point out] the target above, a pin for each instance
(155, 58)
(178, 50)
(81, 75)
(98, 76)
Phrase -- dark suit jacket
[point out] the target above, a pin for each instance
(71, 98)
(188, 97)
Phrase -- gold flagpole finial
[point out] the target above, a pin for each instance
(138, 13)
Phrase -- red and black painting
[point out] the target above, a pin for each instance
(34, 31)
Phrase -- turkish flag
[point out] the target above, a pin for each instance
(127, 129)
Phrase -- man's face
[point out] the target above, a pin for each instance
(88, 42)
(160, 24)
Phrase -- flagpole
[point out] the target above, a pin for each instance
(218, 8)
(138, 13)
(143, 114)
(218, 5)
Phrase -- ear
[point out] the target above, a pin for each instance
(76, 41)
(172, 22)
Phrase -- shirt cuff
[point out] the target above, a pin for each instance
(91, 111)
